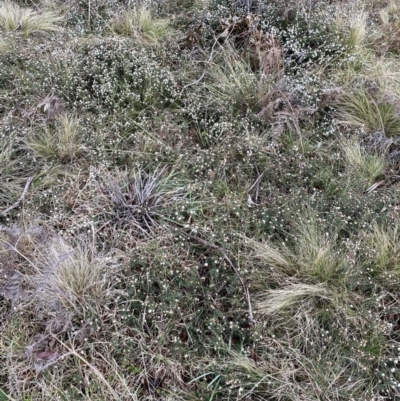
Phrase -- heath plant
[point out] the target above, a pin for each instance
(113, 73)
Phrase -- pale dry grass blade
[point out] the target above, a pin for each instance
(274, 301)
(96, 372)
(271, 256)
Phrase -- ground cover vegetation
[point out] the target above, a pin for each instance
(199, 200)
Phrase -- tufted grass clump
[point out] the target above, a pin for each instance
(14, 18)
(72, 277)
(361, 110)
(59, 291)
(141, 25)
(311, 253)
(62, 143)
(362, 165)
(234, 84)
(3, 46)
(380, 260)
(355, 30)
(10, 172)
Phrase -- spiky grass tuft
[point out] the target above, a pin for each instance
(140, 199)
(381, 261)
(311, 254)
(10, 180)
(356, 30)
(314, 251)
(73, 276)
(3, 46)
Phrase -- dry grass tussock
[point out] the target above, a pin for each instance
(57, 289)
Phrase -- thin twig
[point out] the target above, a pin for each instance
(22, 255)
(21, 198)
(255, 186)
(374, 186)
(245, 288)
(216, 39)
(19, 26)
(256, 182)
(95, 370)
(197, 81)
